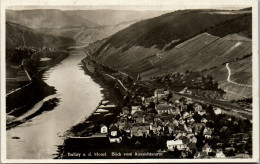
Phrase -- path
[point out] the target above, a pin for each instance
(229, 75)
(118, 81)
(23, 39)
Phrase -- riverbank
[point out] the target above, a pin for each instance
(92, 123)
(47, 106)
(21, 101)
(105, 113)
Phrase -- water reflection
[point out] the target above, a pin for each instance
(79, 96)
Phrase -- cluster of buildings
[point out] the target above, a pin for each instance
(34, 49)
(171, 118)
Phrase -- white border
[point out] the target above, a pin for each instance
(162, 4)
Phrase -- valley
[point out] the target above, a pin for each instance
(103, 81)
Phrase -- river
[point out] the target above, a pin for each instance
(79, 96)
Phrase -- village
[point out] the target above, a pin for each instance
(179, 127)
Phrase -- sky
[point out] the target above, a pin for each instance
(167, 5)
(126, 7)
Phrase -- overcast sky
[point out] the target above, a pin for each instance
(127, 7)
(168, 5)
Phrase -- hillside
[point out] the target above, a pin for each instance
(84, 35)
(194, 40)
(17, 35)
(115, 17)
(241, 73)
(53, 18)
(48, 18)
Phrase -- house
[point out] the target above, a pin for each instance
(217, 111)
(204, 120)
(185, 115)
(135, 109)
(103, 129)
(125, 111)
(127, 129)
(172, 144)
(207, 134)
(169, 128)
(190, 135)
(193, 140)
(158, 93)
(190, 120)
(113, 131)
(183, 107)
(175, 122)
(197, 107)
(149, 118)
(201, 112)
(148, 101)
(181, 121)
(153, 128)
(199, 155)
(140, 131)
(178, 134)
(139, 114)
(206, 148)
(220, 154)
(198, 126)
(189, 92)
(184, 139)
(115, 139)
(139, 120)
(163, 108)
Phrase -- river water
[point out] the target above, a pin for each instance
(79, 96)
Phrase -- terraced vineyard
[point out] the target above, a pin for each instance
(169, 44)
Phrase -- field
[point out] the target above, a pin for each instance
(15, 77)
(202, 52)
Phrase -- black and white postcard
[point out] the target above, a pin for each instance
(129, 81)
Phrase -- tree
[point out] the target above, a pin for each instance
(197, 117)
(176, 153)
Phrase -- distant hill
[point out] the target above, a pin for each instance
(84, 35)
(115, 17)
(53, 18)
(47, 18)
(17, 35)
(194, 40)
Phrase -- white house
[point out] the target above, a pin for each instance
(172, 144)
(158, 93)
(103, 129)
(204, 120)
(217, 111)
(201, 112)
(115, 140)
(220, 154)
(206, 148)
(135, 109)
(113, 131)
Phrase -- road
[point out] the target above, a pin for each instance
(230, 81)
(30, 79)
(118, 81)
(23, 39)
(231, 108)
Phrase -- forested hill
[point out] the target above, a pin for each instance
(18, 35)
